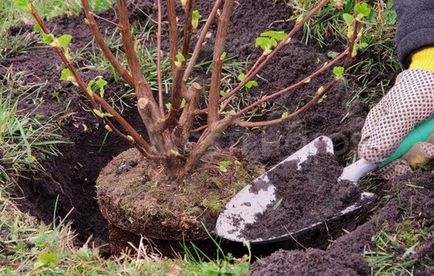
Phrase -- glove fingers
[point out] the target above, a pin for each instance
(396, 169)
(420, 154)
(407, 104)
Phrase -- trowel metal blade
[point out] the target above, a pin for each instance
(244, 206)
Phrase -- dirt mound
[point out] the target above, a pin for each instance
(303, 197)
(405, 198)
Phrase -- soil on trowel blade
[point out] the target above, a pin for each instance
(409, 199)
(303, 197)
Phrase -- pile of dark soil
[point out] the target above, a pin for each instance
(410, 198)
(303, 197)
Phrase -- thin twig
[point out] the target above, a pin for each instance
(105, 19)
(320, 93)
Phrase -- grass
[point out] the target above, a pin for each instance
(25, 137)
(393, 249)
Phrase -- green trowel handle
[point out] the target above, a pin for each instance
(419, 134)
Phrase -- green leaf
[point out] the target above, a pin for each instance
(101, 114)
(285, 115)
(179, 59)
(169, 107)
(46, 259)
(98, 113)
(361, 45)
(48, 38)
(40, 116)
(265, 43)
(224, 165)
(183, 103)
(65, 40)
(277, 35)
(101, 83)
(22, 4)
(223, 56)
(65, 74)
(338, 71)
(37, 28)
(251, 84)
(348, 18)
(108, 128)
(90, 87)
(195, 17)
(363, 9)
(241, 77)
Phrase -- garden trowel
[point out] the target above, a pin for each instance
(244, 207)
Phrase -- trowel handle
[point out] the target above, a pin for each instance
(420, 133)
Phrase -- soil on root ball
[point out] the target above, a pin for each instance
(407, 198)
(303, 197)
(135, 194)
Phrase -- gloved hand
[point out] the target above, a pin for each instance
(409, 102)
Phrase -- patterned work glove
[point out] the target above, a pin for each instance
(409, 102)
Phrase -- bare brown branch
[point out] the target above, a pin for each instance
(188, 28)
(159, 73)
(173, 32)
(187, 116)
(219, 47)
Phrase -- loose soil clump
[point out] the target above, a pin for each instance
(136, 196)
(303, 197)
(408, 200)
